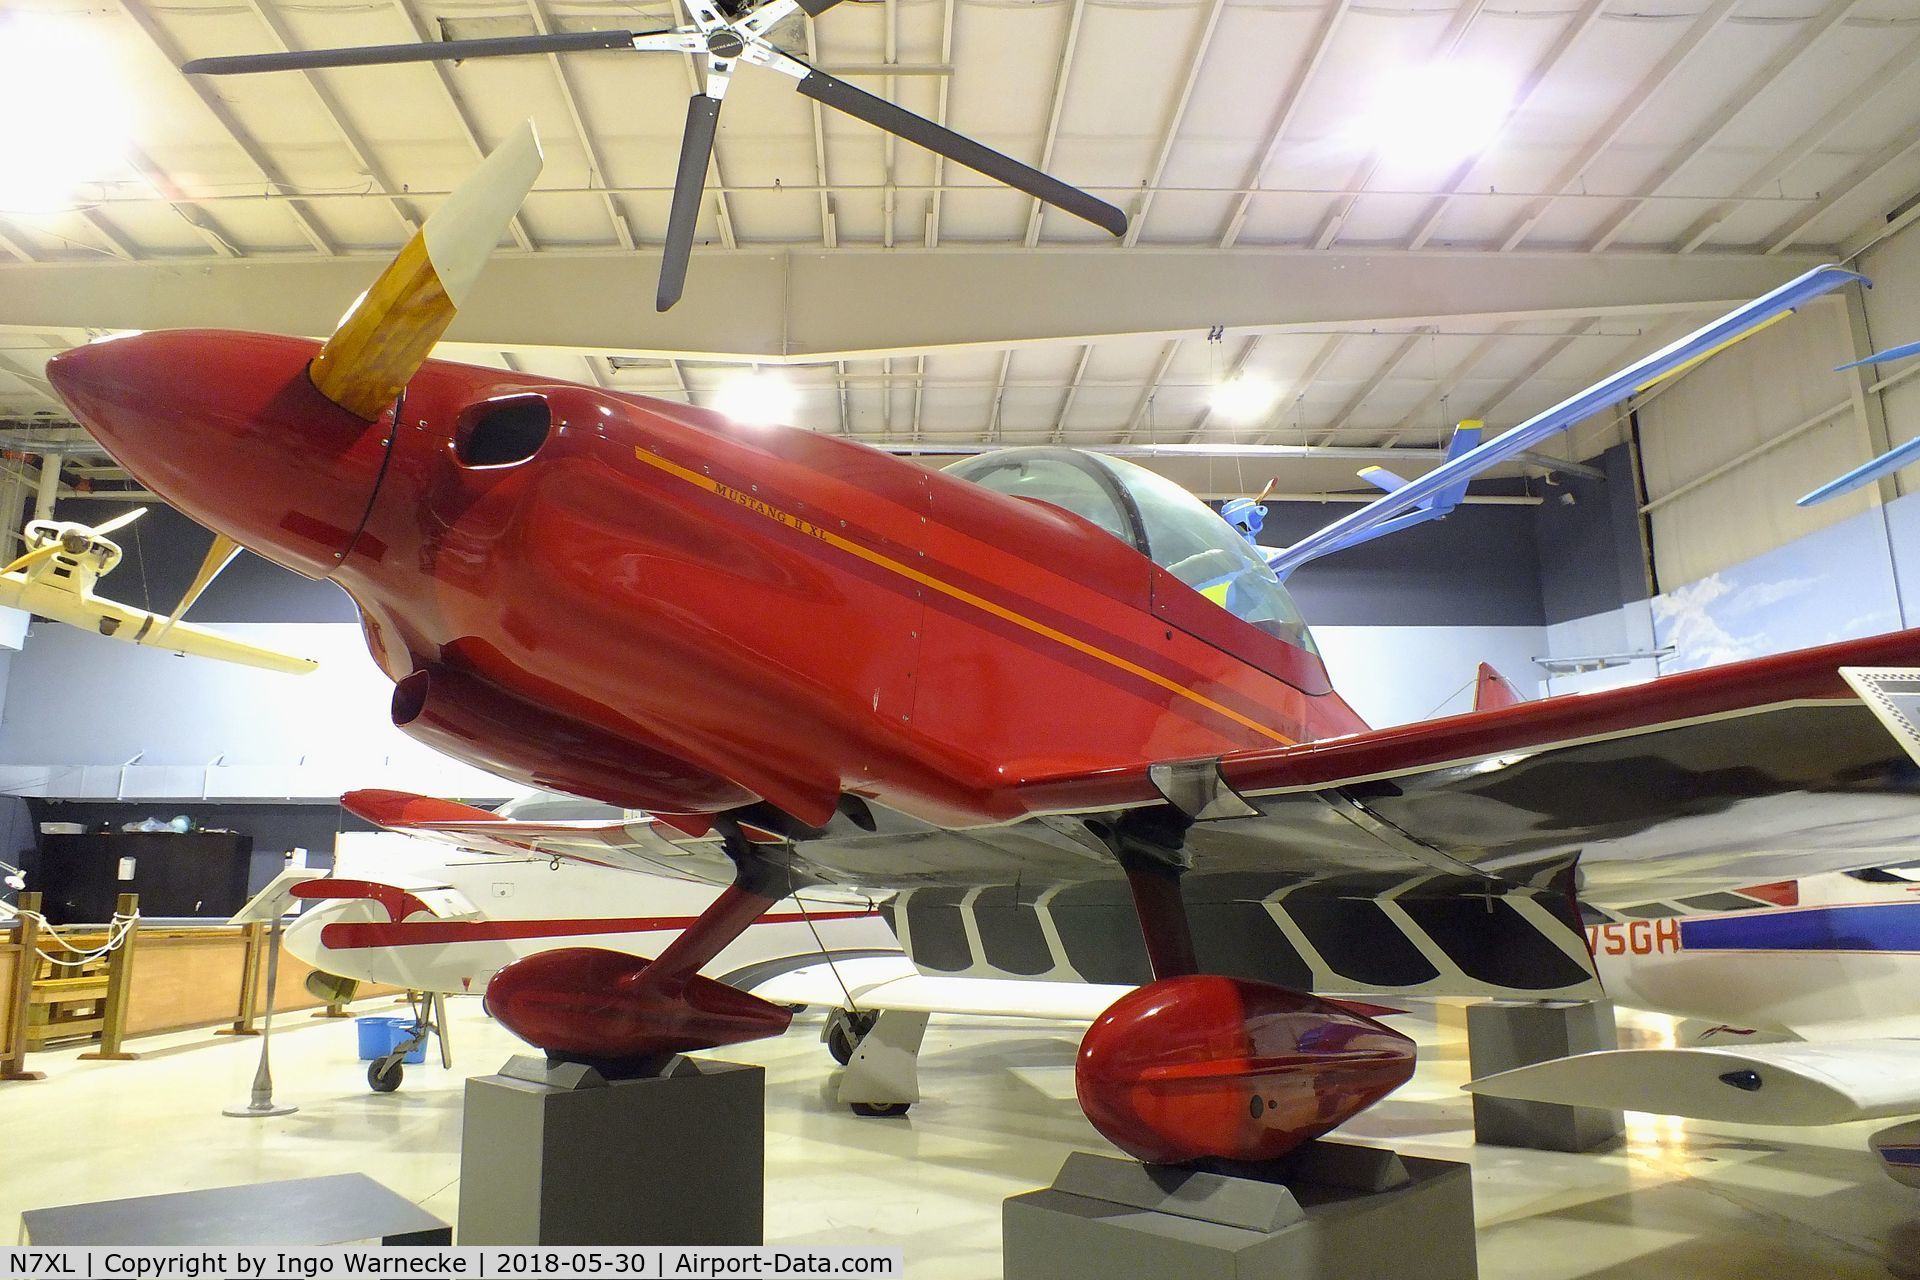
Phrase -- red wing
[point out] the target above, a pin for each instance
(649, 844)
(1807, 676)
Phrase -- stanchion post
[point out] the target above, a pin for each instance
(113, 1022)
(13, 1062)
(256, 933)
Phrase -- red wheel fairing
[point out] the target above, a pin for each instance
(1196, 1067)
(592, 1003)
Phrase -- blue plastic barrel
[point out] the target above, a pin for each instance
(380, 1036)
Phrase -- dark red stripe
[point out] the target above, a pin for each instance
(354, 936)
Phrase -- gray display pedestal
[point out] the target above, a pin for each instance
(1332, 1211)
(1503, 1035)
(557, 1154)
(341, 1208)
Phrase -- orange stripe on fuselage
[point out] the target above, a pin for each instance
(761, 507)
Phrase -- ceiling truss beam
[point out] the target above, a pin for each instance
(806, 306)
(1578, 26)
(1289, 107)
(1709, 21)
(1708, 133)
(236, 132)
(1896, 71)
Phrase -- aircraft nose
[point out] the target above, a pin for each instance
(228, 428)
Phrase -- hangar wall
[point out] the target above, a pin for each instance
(1728, 448)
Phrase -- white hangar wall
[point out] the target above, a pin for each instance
(90, 718)
(1726, 450)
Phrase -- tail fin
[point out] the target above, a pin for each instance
(1492, 691)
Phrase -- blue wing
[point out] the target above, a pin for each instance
(1892, 460)
(1420, 497)
(1882, 357)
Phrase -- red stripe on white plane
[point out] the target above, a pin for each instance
(357, 936)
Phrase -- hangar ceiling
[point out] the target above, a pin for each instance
(1645, 163)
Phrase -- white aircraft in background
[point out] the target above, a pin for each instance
(406, 912)
(56, 575)
(1802, 1009)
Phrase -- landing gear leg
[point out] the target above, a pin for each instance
(1163, 916)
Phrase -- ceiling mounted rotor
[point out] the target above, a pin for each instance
(725, 33)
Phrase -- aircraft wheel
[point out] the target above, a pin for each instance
(845, 1031)
(383, 1075)
(880, 1110)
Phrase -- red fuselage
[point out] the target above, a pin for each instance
(663, 609)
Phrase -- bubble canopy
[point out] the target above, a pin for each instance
(1157, 518)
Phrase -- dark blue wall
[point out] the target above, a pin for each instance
(1477, 567)
(1592, 559)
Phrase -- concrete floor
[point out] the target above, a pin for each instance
(1678, 1199)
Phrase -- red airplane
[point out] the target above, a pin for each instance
(1037, 677)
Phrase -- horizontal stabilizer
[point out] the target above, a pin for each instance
(1794, 1083)
(1383, 479)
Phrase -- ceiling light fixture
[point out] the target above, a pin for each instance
(1243, 398)
(757, 398)
(67, 109)
(1439, 113)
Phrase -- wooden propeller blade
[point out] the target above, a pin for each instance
(390, 330)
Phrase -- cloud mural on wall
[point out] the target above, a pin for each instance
(1835, 584)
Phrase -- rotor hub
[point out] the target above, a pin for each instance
(726, 44)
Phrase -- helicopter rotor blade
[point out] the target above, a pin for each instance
(374, 55)
(689, 190)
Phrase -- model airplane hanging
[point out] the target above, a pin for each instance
(724, 35)
(1887, 463)
(1249, 515)
(858, 672)
(56, 575)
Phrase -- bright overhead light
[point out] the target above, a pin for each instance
(757, 399)
(65, 108)
(1244, 398)
(1439, 113)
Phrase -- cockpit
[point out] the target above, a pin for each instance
(1157, 518)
